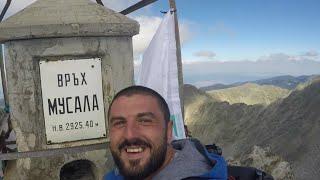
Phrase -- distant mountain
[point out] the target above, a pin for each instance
(220, 86)
(290, 127)
(250, 94)
(286, 82)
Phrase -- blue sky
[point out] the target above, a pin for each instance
(219, 33)
(249, 29)
(225, 41)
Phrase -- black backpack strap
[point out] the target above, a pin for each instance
(213, 148)
(247, 173)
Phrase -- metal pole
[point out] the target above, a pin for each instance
(4, 10)
(100, 2)
(3, 79)
(137, 6)
(179, 61)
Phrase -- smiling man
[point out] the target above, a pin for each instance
(140, 134)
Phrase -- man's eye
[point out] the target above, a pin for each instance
(118, 123)
(145, 121)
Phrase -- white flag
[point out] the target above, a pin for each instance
(159, 71)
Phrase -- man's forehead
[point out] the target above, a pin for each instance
(136, 100)
(131, 105)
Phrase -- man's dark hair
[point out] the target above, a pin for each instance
(141, 90)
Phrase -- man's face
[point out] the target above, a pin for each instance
(138, 135)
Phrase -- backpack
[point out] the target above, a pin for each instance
(246, 173)
(234, 172)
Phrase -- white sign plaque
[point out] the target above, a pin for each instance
(72, 100)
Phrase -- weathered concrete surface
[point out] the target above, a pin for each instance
(61, 30)
(66, 18)
(22, 68)
(50, 167)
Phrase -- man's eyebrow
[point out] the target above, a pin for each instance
(149, 114)
(116, 118)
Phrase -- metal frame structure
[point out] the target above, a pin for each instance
(5, 9)
(137, 6)
(3, 77)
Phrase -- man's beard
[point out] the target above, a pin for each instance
(136, 171)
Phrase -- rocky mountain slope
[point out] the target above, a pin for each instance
(264, 159)
(289, 127)
(250, 94)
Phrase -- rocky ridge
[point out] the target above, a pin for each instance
(250, 94)
(289, 127)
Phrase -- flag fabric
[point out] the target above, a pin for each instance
(159, 71)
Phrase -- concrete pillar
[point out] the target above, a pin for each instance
(62, 31)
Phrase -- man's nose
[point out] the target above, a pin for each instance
(132, 130)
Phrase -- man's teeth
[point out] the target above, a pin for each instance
(134, 150)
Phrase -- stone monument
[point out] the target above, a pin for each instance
(64, 59)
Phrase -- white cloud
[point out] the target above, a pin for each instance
(185, 31)
(199, 72)
(148, 27)
(204, 72)
(205, 54)
(276, 56)
(311, 53)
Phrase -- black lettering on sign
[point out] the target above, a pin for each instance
(52, 106)
(67, 78)
(70, 105)
(86, 103)
(71, 126)
(54, 128)
(60, 80)
(95, 103)
(71, 79)
(89, 123)
(80, 125)
(62, 105)
(83, 78)
(67, 104)
(75, 79)
(77, 104)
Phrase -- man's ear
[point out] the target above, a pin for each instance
(169, 131)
